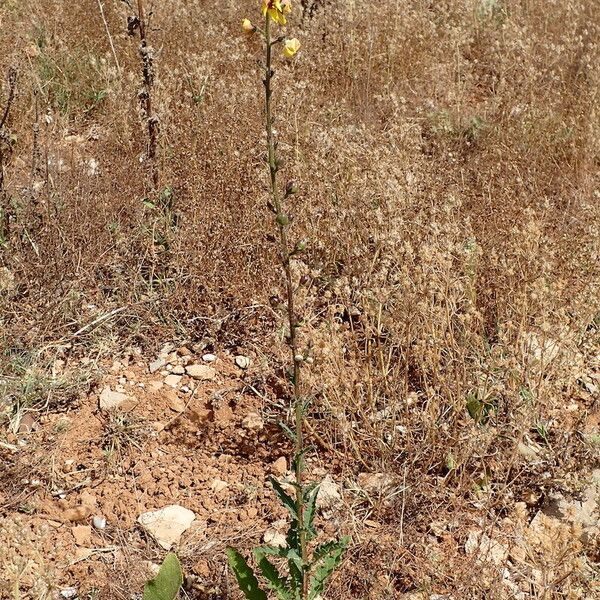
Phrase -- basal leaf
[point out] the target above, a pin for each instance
(168, 581)
(275, 581)
(245, 576)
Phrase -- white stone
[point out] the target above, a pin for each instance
(209, 358)
(243, 362)
(158, 364)
(167, 525)
(486, 549)
(218, 485)
(253, 422)
(172, 380)
(99, 522)
(329, 494)
(201, 372)
(110, 400)
(274, 538)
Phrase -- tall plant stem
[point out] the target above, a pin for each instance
(285, 254)
(146, 96)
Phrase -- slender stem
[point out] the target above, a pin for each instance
(293, 339)
(146, 97)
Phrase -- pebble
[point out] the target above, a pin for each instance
(158, 364)
(99, 522)
(253, 422)
(110, 400)
(201, 372)
(243, 362)
(178, 370)
(209, 358)
(279, 467)
(172, 380)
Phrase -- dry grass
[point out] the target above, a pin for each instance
(448, 154)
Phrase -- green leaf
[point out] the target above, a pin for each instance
(277, 583)
(310, 499)
(291, 434)
(285, 498)
(244, 575)
(165, 586)
(330, 560)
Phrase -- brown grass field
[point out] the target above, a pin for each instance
(447, 154)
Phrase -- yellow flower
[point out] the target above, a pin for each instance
(290, 47)
(247, 26)
(275, 10)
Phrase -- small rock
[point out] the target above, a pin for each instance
(209, 358)
(110, 400)
(172, 380)
(82, 535)
(279, 467)
(184, 351)
(329, 494)
(218, 485)
(178, 370)
(77, 514)
(243, 362)
(253, 422)
(201, 372)
(176, 404)
(69, 592)
(487, 549)
(167, 525)
(155, 385)
(376, 483)
(274, 538)
(158, 364)
(99, 522)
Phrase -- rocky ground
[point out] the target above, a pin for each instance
(173, 452)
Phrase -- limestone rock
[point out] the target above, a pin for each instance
(167, 525)
(201, 372)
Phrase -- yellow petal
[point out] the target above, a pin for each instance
(291, 47)
(247, 26)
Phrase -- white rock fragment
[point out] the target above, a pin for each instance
(274, 538)
(167, 525)
(99, 522)
(110, 400)
(172, 380)
(243, 362)
(218, 485)
(486, 549)
(201, 372)
(157, 365)
(253, 422)
(329, 494)
(209, 358)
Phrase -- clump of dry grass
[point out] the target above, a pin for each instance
(451, 154)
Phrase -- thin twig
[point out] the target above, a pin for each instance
(110, 39)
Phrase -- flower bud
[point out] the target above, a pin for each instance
(301, 245)
(283, 220)
(291, 188)
(247, 26)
